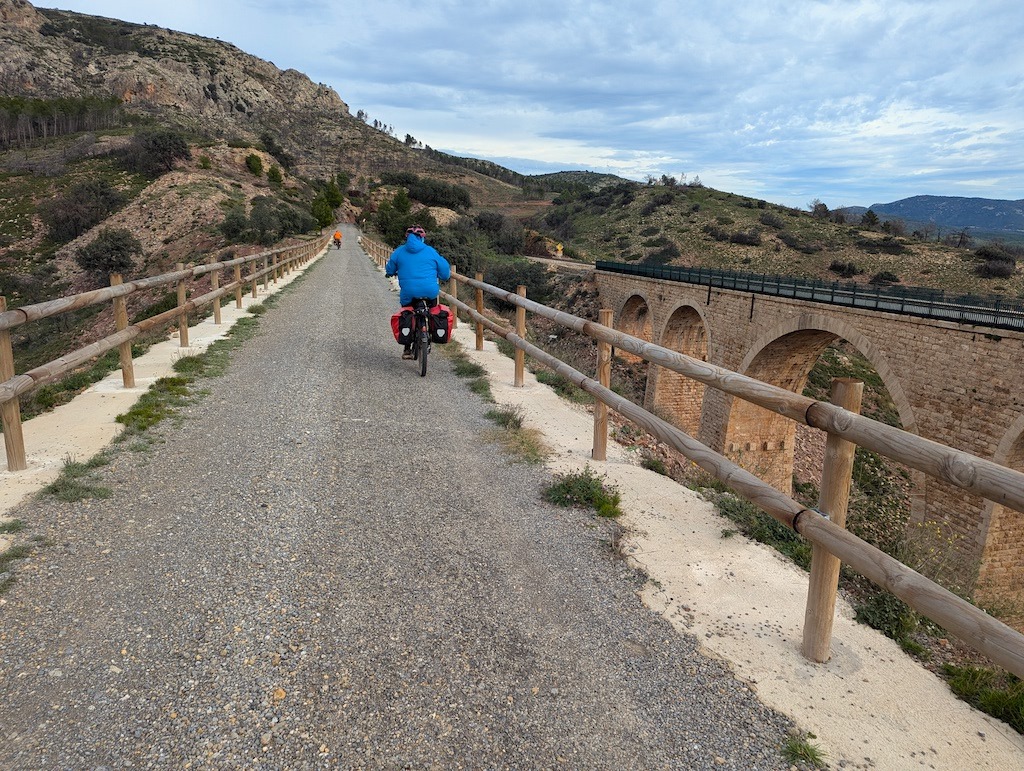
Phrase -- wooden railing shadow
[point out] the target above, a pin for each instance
(823, 526)
(264, 266)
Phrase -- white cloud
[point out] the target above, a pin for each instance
(859, 101)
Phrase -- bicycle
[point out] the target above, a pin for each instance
(337, 243)
(421, 334)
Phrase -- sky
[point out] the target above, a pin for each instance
(851, 103)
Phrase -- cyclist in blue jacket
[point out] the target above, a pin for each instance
(419, 268)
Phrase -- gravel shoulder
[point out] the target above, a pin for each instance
(324, 564)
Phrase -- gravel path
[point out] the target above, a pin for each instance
(326, 565)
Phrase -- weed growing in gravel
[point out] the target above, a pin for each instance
(161, 401)
(17, 552)
(77, 480)
(168, 394)
(508, 416)
(189, 365)
(584, 488)
(463, 366)
(13, 526)
(482, 388)
(524, 443)
(798, 749)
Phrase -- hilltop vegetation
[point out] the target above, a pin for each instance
(696, 226)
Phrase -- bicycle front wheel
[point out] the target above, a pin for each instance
(424, 347)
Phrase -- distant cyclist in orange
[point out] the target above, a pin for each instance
(337, 239)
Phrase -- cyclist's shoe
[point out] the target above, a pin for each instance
(407, 353)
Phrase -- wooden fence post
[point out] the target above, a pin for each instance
(453, 290)
(832, 502)
(255, 281)
(605, 317)
(480, 310)
(266, 275)
(183, 317)
(521, 331)
(10, 410)
(238, 286)
(215, 285)
(121, 323)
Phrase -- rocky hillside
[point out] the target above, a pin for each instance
(204, 85)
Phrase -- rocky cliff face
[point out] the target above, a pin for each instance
(200, 83)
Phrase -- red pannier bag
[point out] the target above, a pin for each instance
(402, 324)
(441, 321)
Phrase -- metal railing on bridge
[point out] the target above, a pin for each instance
(992, 311)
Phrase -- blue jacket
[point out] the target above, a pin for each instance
(419, 269)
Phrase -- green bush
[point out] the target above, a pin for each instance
(996, 693)
(764, 528)
(508, 416)
(994, 252)
(110, 252)
(844, 269)
(254, 164)
(889, 615)
(884, 278)
(751, 237)
(509, 274)
(235, 223)
(430, 192)
(81, 207)
(995, 269)
(662, 256)
(271, 220)
(156, 151)
(321, 211)
(564, 387)
(655, 464)
(584, 488)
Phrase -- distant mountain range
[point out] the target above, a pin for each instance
(982, 216)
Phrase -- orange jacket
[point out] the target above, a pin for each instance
(337, 235)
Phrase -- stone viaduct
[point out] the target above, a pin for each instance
(957, 384)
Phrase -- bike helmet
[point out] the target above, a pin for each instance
(416, 230)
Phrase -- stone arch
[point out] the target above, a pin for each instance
(1001, 574)
(675, 397)
(763, 441)
(635, 319)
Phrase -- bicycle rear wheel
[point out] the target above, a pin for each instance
(424, 347)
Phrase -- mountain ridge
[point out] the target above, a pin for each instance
(984, 216)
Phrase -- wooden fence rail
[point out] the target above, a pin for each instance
(1002, 644)
(274, 263)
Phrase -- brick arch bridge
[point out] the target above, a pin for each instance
(954, 383)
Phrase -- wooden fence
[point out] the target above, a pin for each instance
(265, 266)
(823, 526)
(831, 542)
